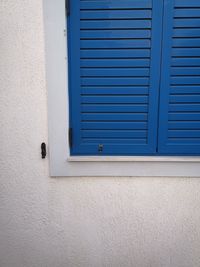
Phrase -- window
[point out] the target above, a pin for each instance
(61, 162)
(134, 77)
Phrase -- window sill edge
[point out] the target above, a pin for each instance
(133, 159)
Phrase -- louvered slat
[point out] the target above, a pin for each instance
(115, 24)
(116, 134)
(183, 70)
(113, 72)
(116, 14)
(186, 23)
(180, 107)
(128, 4)
(179, 89)
(114, 117)
(187, 3)
(115, 63)
(114, 125)
(127, 108)
(125, 90)
(112, 44)
(116, 81)
(114, 99)
(110, 34)
(116, 53)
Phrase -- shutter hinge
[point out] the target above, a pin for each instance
(70, 137)
(67, 7)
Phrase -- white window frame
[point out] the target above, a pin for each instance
(61, 163)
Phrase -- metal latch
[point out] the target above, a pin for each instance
(100, 148)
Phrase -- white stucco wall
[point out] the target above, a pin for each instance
(72, 222)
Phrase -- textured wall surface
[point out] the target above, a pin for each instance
(72, 222)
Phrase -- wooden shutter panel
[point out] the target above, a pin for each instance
(114, 53)
(179, 129)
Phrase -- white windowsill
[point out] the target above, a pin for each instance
(133, 159)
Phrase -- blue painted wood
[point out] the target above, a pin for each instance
(116, 14)
(115, 72)
(184, 98)
(115, 54)
(120, 148)
(116, 125)
(185, 52)
(180, 107)
(191, 32)
(184, 125)
(112, 34)
(116, 81)
(115, 141)
(187, 3)
(109, 44)
(127, 4)
(117, 99)
(190, 80)
(183, 116)
(183, 134)
(179, 120)
(156, 47)
(182, 71)
(115, 134)
(186, 42)
(191, 89)
(74, 71)
(188, 141)
(186, 13)
(186, 62)
(114, 63)
(186, 23)
(114, 117)
(113, 90)
(116, 24)
(115, 108)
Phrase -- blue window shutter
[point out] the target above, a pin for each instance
(114, 54)
(179, 123)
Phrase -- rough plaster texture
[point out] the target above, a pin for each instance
(75, 222)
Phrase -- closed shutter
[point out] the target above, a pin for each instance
(115, 49)
(179, 124)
